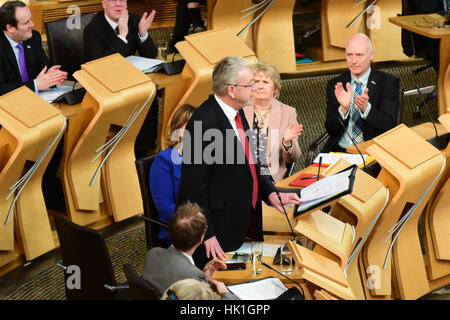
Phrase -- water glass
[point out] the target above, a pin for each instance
(286, 259)
(257, 254)
(162, 49)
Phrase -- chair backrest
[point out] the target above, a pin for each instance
(65, 41)
(140, 289)
(143, 166)
(85, 248)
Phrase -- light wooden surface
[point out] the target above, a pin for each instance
(108, 104)
(386, 38)
(446, 83)
(403, 171)
(410, 23)
(228, 14)
(29, 125)
(274, 36)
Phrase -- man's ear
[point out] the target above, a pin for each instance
(10, 28)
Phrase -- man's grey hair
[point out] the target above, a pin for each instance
(226, 72)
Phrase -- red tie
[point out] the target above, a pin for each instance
(249, 157)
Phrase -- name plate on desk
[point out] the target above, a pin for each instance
(225, 44)
(406, 146)
(22, 104)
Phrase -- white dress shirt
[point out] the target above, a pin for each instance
(114, 26)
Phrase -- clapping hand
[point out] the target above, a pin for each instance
(51, 77)
(362, 100)
(146, 22)
(293, 131)
(344, 97)
(122, 23)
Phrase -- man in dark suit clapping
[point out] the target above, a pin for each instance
(364, 99)
(22, 59)
(116, 31)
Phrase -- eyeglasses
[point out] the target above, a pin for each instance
(251, 84)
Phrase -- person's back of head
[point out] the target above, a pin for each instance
(187, 226)
(226, 72)
(189, 289)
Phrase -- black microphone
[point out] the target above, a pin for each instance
(353, 141)
(284, 209)
(162, 224)
(439, 142)
(295, 282)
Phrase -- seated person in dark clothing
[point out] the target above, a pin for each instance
(166, 169)
(364, 99)
(116, 31)
(22, 59)
(188, 18)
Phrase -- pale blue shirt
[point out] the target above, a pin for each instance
(114, 26)
(16, 53)
(345, 141)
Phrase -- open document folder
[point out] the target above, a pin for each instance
(146, 65)
(326, 190)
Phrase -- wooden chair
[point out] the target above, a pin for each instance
(85, 249)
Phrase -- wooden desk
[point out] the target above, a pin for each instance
(171, 89)
(409, 23)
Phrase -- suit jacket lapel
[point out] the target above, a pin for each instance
(110, 32)
(372, 85)
(226, 125)
(28, 50)
(10, 55)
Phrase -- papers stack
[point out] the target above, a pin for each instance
(146, 65)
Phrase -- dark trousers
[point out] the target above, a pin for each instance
(182, 22)
(146, 138)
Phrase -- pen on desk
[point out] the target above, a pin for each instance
(318, 170)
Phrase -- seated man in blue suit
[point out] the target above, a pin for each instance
(22, 59)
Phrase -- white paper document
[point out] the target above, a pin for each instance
(324, 188)
(53, 93)
(269, 249)
(144, 64)
(331, 158)
(264, 289)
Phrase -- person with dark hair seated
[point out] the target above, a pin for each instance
(22, 59)
(163, 267)
(166, 169)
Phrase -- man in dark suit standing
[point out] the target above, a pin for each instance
(364, 99)
(116, 31)
(22, 59)
(217, 174)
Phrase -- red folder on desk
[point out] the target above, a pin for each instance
(300, 181)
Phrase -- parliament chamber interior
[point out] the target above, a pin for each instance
(75, 156)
